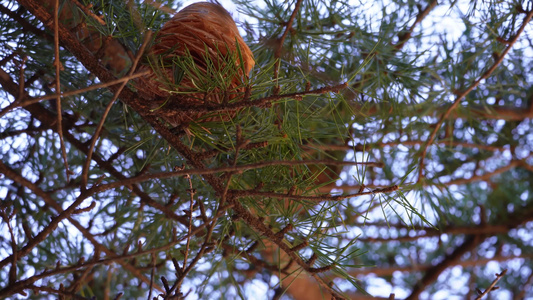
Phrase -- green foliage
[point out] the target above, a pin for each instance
(214, 224)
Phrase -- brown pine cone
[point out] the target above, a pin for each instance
(203, 34)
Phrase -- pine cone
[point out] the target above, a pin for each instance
(203, 34)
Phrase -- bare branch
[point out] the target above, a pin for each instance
(492, 285)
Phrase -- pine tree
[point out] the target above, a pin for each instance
(390, 138)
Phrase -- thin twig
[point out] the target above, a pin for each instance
(470, 242)
(189, 213)
(21, 77)
(13, 270)
(48, 119)
(152, 274)
(26, 102)
(405, 36)
(365, 147)
(59, 111)
(463, 94)
(281, 41)
(80, 280)
(261, 102)
(233, 169)
(121, 259)
(88, 60)
(27, 26)
(48, 229)
(492, 285)
(199, 255)
(430, 233)
(52, 203)
(486, 176)
(85, 172)
(67, 294)
(412, 268)
(254, 193)
(89, 12)
(240, 143)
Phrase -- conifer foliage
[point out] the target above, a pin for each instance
(379, 148)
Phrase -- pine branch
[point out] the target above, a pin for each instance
(405, 36)
(281, 40)
(413, 268)
(492, 285)
(61, 214)
(254, 193)
(86, 58)
(461, 95)
(431, 274)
